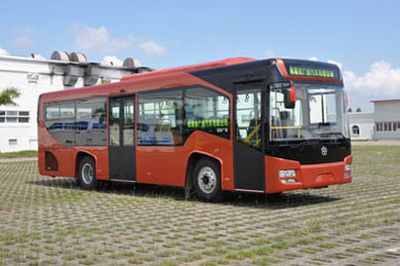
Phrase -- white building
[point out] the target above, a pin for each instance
(361, 125)
(387, 119)
(382, 124)
(32, 77)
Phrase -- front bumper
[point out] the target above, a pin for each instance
(307, 176)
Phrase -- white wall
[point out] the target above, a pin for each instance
(14, 73)
(389, 112)
(365, 122)
(32, 78)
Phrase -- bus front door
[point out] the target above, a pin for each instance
(122, 165)
(249, 165)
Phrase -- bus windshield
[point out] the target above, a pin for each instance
(319, 113)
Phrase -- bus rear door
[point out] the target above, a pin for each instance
(122, 161)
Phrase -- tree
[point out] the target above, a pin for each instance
(349, 110)
(8, 96)
(358, 110)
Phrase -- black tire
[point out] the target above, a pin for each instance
(206, 180)
(86, 176)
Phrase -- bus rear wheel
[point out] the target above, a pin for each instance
(207, 180)
(87, 173)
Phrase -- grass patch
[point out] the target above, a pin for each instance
(18, 154)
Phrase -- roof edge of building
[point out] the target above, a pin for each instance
(385, 100)
(57, 62)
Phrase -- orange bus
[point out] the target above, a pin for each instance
(237, 124)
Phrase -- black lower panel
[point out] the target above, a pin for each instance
(310, 152)
(122, 163)
(249, 168)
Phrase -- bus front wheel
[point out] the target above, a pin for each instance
(207, 180)
(87, 173)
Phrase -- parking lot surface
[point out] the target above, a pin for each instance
(51, 221)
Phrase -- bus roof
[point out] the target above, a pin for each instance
(219, 63)
(138, 77)
(193, 69)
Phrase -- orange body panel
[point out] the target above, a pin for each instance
(307, 176)
(154, 164)
(167, 165)
(147, 172)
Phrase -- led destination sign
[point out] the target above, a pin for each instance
(311, 72)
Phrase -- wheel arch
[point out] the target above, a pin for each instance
(194, 157)
(82, 154)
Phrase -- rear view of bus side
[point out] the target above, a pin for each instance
(238, 124)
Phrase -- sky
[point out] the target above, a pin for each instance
(363, 37)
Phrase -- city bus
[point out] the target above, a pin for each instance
(239, 124)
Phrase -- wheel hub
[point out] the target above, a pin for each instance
(207, 179)
(87, 173)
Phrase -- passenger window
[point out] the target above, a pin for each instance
(169, 117)
(160, 118)
(208, 111)
(91, 122)
(60, 121)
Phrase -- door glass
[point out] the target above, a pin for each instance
(114, 122)
(248, 117)
(128, 125)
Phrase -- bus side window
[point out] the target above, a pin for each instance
(206, 110)
(90, 122)
(60, 121)
(160, 118)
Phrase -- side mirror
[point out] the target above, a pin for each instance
(289, 97)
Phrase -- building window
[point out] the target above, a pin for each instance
(378, 127)
(388, 126)
(12, 141)
(14, 117)
(355, 130)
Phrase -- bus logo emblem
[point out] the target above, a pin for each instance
(324, 151)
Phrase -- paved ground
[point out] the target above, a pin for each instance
(18, 159)
(50, 221)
